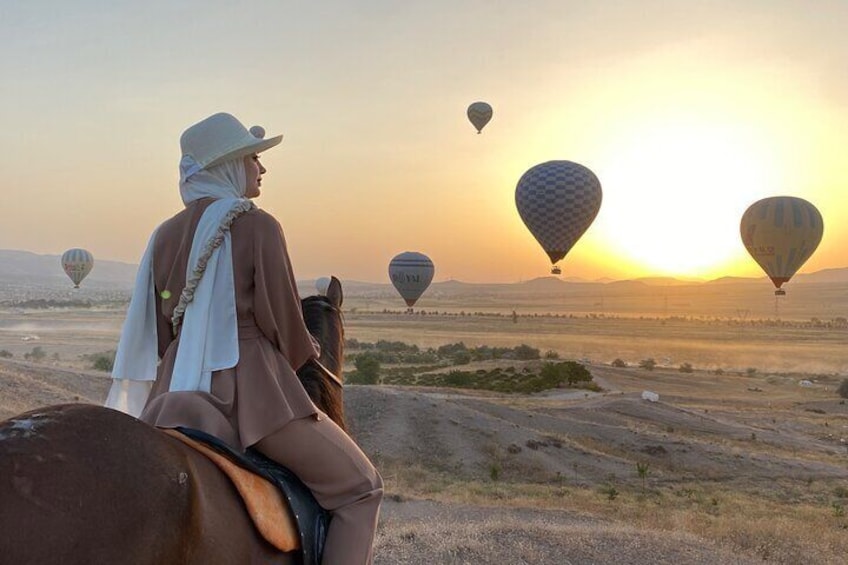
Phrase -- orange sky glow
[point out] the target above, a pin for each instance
(687, 116)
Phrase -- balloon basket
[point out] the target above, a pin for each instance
(780, 292)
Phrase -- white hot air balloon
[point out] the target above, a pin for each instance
(77, 263)
(479, 114)
(781, 233)
(558, 201)
(411, 273)
(322, 284)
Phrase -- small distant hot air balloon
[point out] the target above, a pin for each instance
(411, 273)
(558, 201)
(77, 263)
(781, 233)
(322, 284)
(479, 114)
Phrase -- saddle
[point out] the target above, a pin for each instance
(283, 509)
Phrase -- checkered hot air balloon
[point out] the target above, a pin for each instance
(781, 233)
(479, 114)
(77, 263)
(411, 273)
(558, 200)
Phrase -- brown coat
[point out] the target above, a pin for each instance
(262, 393)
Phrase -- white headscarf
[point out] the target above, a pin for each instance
(209, 328)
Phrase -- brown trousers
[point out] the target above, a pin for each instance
(340, 476)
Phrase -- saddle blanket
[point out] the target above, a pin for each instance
(269, 512)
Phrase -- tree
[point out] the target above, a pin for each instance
(618, 362)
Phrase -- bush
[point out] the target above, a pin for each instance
(37, 354)
(367, 370)
(648, 364)
(843, 389)
(104, 362)
(5, 354)
(686, 368)
(551, 354)
(461, 358)
(618, 363)
(525, 352)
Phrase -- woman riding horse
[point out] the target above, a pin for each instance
(214, 334)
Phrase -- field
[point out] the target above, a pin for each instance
(738, 462)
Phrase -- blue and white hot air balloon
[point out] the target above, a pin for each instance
(322, 284)
(411, 273)
(558, 201)
(77, 263)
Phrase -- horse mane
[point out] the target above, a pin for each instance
(324, 321)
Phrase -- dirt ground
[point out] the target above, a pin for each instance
(458, 465)
(739, 467)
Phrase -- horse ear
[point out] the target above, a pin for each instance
(334, 292)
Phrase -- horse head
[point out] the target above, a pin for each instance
(323, 380)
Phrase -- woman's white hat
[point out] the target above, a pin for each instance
(219, 138)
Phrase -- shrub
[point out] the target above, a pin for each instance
(843, 388)
(37, 354)
(551, 354)
(104, 361)
(618, 363)
(750, 371)
(5, 354)
(367, 370)
(525, 352)
(686, 368)
(461, 358)
(648, 364)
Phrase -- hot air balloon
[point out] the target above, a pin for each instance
(558, 200)
(411, 273)
(479, 114)
(322, 284)
(781, 233)
(77, 263)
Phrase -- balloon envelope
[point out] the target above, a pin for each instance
(781, 233)
(558, 201)
(77, 263)
(411, 273)
(479, 114)
(322, 284)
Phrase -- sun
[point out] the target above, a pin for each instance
(674, 192)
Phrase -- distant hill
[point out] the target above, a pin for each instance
(23, 267)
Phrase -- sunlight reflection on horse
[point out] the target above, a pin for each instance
(82, 484)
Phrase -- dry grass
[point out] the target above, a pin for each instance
(806, 528)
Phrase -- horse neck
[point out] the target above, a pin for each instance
(324, 323)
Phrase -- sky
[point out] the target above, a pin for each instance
(687, 111)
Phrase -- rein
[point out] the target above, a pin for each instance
(327, 372)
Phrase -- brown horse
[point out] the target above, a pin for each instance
(82, 484)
